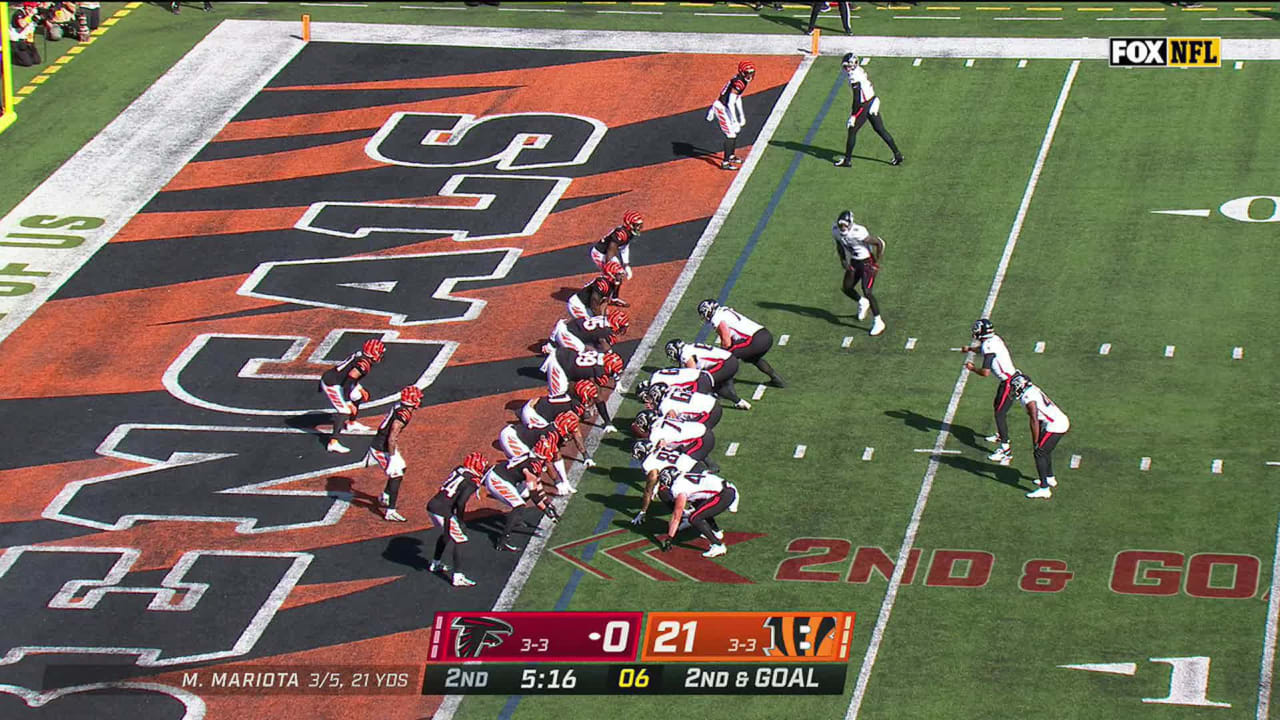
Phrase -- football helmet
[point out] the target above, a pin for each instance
(545, 448)
(613, 364)
(641, 449)
(536, 464)
(586, 391)
(747, 70)
(651, 394)
(476, 463)
(667, 476)
(603, 285)
(633, 220)
(1019, 383)
(983, 329)
(566, 424)
(644, 421)
(849, 62)
(707, 308)
(673, 349)
(845, 221)
(411, 396)
(613, 270)
(373, 349)
(619, 320)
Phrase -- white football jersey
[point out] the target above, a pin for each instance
(665, 458)
(676, 431)
(683, 377)
(851, 243)
(704, 357)
(858, 76)
(1050, 416)
(680, 401)
(740, 327)
(697, 487)
(1001, 360)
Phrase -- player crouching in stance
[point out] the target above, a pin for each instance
(995, 359)
(692, 438)
(680, 403)
(1048, 425)
(708, 494)
(614, 249)
(541, 412)
(720, 363)
(510, 483)
(517, 440)
(446, 509)
(565, 367)
(860, 256)
(597, 332)
(594, 297)
(385, 448)
(341, 384)
(727, 110)
(747, 339)
(654, 460)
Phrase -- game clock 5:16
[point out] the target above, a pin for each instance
(548, 679)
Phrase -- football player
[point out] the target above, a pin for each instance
(866, 106)
(720, 363)
(653, 460)
(727, 110)
(564, 367)
(1048, 424)
(341, 384)
(615, 249)
(593, 298)
(682, 377)
(385, 448)
(541, 412)
(995, 359)
(709, 494)
(826, 7)
(511, 482)
(681, 404)
(860, 255)
(747, 339)
(446, 509)
(598, 332)
(694, 439)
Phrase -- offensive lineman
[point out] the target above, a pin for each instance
(727, 110)
(341, 384)
(866, 106)
(692, 438)
(860, 256)
(995, 359)
(385, 448)
(681, 404)
(747, 339)
(446, 508)
(1048, 424)
(720, 363)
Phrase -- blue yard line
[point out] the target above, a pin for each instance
(570, 587)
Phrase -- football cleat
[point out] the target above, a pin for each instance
(863, 306)
(1051, 481)
(877, 326)
(715, 551)
(437, 566)
(743, 405)
(707, 308)
(610, 428)
(727, 165)
(476, 463)
(1019, 383)
(994, 439)
(505, 545)
(566, 423)
(641, 449)
(1001, 455)
(897, 159)
(373, 349)
(355, 428)
(1043, 493)
(983, 329)
(843, 162)
(619, 320)
(564, 488)
(336, 447)
(673, 349)
(718, 535)
(460, 580)
(411, 396)
(644, 422)
(613, 364)
(393, 516)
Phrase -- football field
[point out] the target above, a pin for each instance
(1119, 226)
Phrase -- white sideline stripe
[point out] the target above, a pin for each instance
(1168, 350)
(1237, 353)
(926, 484)
(1242, 19)
(926, 17)
(1267, 666)
(1144, 464)
(1075, 462)
(848, 340)
(935, 451)
(868, 453)
(759, 393)
(537, 545)
(911, 344)
(1039, 346)
(731, 450)
(427, 7)
(127, 163)
(332, 4)
(1022, 63)
(1105, 349)
(750, 15)
(784, 339)
(799, 453)
(1216, 466)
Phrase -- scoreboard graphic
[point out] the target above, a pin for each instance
(601, 653)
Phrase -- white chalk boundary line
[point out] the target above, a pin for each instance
(537, 545)
(1267, 665)
(926, 485)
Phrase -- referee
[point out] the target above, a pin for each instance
(866, 106)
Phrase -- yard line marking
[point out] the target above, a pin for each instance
(933, 451)
(1269, 640)
(331, 4)
(865, 60)
(1105, 349)
(1216, 466)
(1157, 19)
(911, 344)
(630, 12)
(1022, 63)
(759, 393)
(917, 61)
(1039, 346)
(731, 450)
(926, 17)
(1075, 462)
(1027, 18)
(1168, 350)
(866, 454)
(1273, 463)
(968, 63)
(848, 340)
(1237, 353)
(1120, 668)
(1242, 19)
(799, 453)
(1144, 464)
(1202, 212)
(530, 9)
(784, 339)
(926, 484)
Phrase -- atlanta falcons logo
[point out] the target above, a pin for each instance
(474, 634)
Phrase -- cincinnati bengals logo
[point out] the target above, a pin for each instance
(801, 636)
(474, 634)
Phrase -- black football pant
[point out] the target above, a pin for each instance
(1000, 406)
(859, 273)
(844, 15)
(876, 124)
(722, 380)
(703, 518)
(1044, 454)
(754, 350)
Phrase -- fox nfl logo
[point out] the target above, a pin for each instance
(1184, 52)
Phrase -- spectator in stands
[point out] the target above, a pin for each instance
(22, 33)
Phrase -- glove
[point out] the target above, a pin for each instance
(588, 462)
(610, 428)
(552, 513)
(628, 270)
(638, 519)
(665, 544)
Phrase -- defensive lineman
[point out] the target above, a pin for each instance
(866, 106)
(747, 339)
(860, 256)
(995, 359)
(1048, 424)
(727, 110)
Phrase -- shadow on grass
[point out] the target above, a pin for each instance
(806, 311)
(1006, 475)
(915, 420)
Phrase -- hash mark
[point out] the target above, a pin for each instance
(784, 339)
(1039, 346)
(866, 454)
(848, 340)
(799, 453)
(1237, 353)
(731, 450)
(1105, 349)
(1022, 64)
(1075, 462)
(911, 343)
(759, 393)
(1168, 350)
(1144, 464)
(1216, 467)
